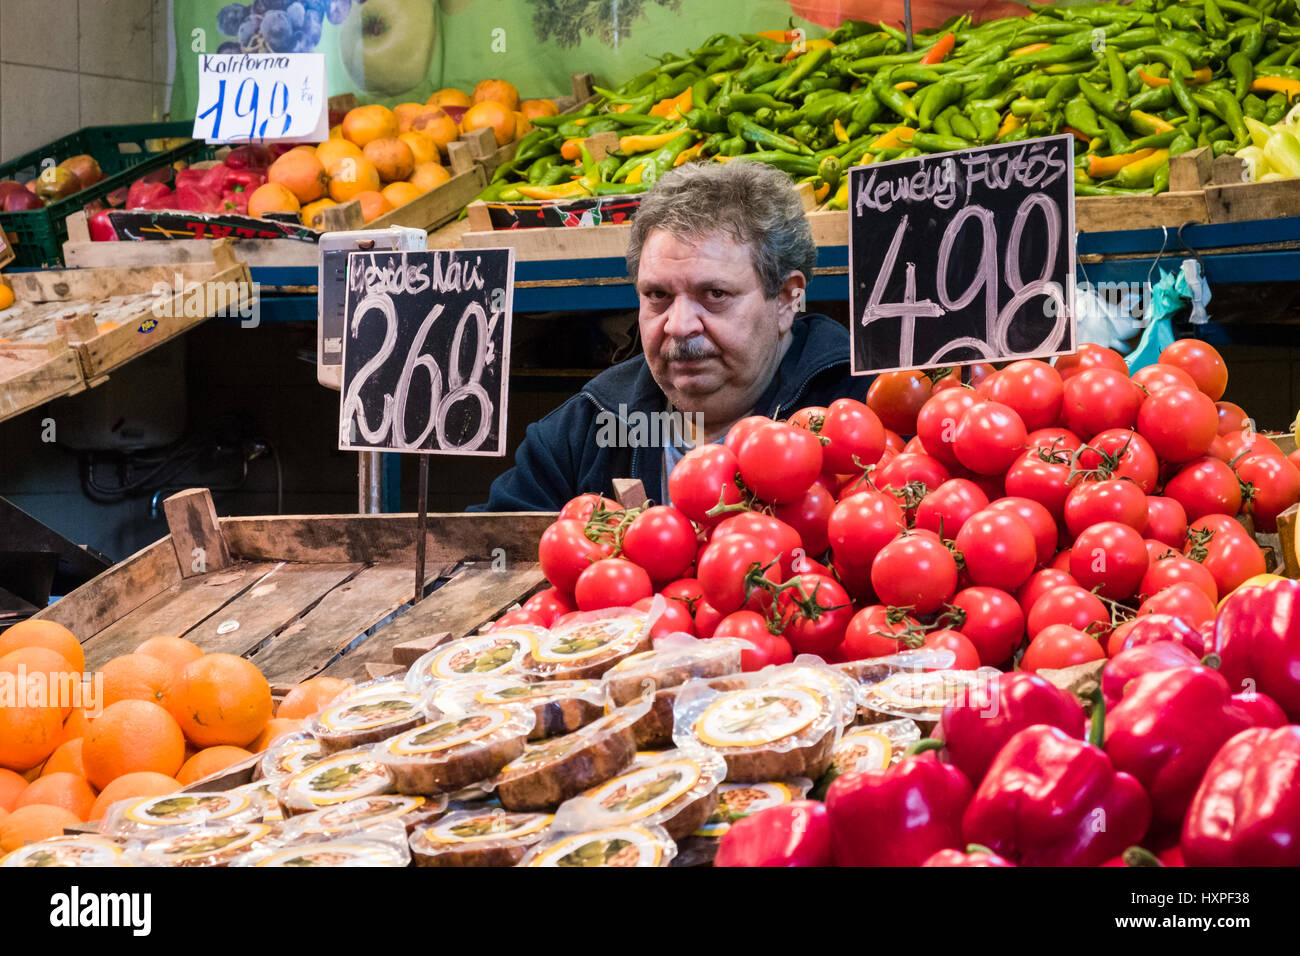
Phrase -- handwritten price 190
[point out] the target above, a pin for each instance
(248, 105)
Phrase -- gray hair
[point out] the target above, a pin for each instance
(753, 202)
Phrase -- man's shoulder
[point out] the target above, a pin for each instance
(627, 383)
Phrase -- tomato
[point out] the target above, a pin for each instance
(581, 507)
(915, 570)
(675, 619)
(1088, 357)
(565, 552)
(822, 630)
(548, 605)
(1062, 561)
(802, 564)
(992, 485)
(861, 525)
(1157, 550)
(1120, 453)
(778, 462)
(1166, 521)
(1041, 476)
(964, 650)
(662, 541)
(1202, 362)
(999, 549)
(1060, 646)
(937, 423)
(750, 626)
(739, 433)
(1272, 486)
(1181, 423)
(1153, 378)
(856, 437)
(1177, 569)
(1033, 389)
(611, 582)
(1232, 418)
(686, 591)
(707, 618)
(1099, 399)
(992, 620)
(1113, 499)
(1184, 600)
(878, 631)
(976, 375)
(1230, 554)
(893, 441)
(856, 580)
(724, 565)
(897, 397)
(701, 478)
(810, 417)
(990, 436)
(1071, 604)
(945, 509)
(1220, 449)
(808, 517)
(1039, 520)
(902, 470)
(516, 618)
(1039, 583)
(774, 533)
(1205, 486)
(1053, 437)
(1294, 457)
(1111, 558)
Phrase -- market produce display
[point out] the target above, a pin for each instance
(1134, 84)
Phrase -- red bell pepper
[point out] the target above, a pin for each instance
(1051, 800)
(1166, 731)
(789, 834)
(251, 156)
(1257, 638)
(899, 816)
(1128, 665)
(101, 230)
(195, 198)
(190, 177)
(144, 195)
(1263, 710)
(1246, 811)
(975, 727)
(1155, 628)
(975, 855)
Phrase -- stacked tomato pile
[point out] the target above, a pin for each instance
(1044, 516)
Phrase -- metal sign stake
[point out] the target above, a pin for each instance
(421, 528)
(907, 22)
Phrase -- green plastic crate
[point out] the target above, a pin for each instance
(39, 234)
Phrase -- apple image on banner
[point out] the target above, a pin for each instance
(386, 45)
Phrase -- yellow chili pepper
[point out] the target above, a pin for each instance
(635, 175)
(1148, 125)
(561, 191)
(571, 149)
(821, 192)
(905, 86)
(898, 136)
(643, 143)
(686, 155)
(1276, 84)
(1202, 75)
(1009, 122)
(821, 43)
(1031, 48)
(1103, 167)
(1081, 137)
(841, 133)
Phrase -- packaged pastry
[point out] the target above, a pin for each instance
(456, 750)
(549, 772)
(290, 754)
(875, 746)
(610, 846)
(559, 706)
(922, 697)
(810, 671)
(333, 780)
(588, 645)
(655, 730)
(141, 815)
(483, 837)
(376, 686)
(366, 720)
(671, 663)
(872, 670)
(496, 653)
(380, 846)
(264, 793)
(81, 850)
(364, 813)
(674, 789)
(216, 844)
(737, 800)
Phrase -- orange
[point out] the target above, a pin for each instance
(301, 172)
(429, 176)
(77, 725)
(275, 727)
(311, 696)
(437, 125)
(136, 677)
(373, 205)
(423, 147)
(30, 824)
(208, 761)
(522, 126)
(6, 297)
(399, 194)
(221, 699)
(272, 197)
(66, 759)
(331, 151)
(336, 132)
(535, 108)
(175, 652)
(131, 786)
(404, 112)
(450, 97)
(365, 123)
(130, 736)
(28, 734)
(496, 91)
(66, 790)
(34, 633)
(311, 212)
(51, 679)
(351, 176)
(392, 158)
(12, 786)
(490, 115)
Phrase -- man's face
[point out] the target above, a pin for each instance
(711, 338)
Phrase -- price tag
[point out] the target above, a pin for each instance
(261, 96)
(963, 257)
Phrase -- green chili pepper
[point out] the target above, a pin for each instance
(1155, 99)
(1062, 90)
(1118, 139)
(1118, 77)
(1082, 117)
(965, 129)
(752, 132)
(1176, 61)
(1222, 147)
(1243, 74)
(869, 45)
(1132, 39)
(1215, 25)
(556, 174)
(1253, 107)
(539, 167)
(943, 122)
(1013, 135)
(1231, 114)
(797, 165)
(1275, 108)
(803, 67)
(1104, 102)
(934, 143)
(986, 122)
(942, 95)
(1155, 141)
(1181, 144)
(898, 101)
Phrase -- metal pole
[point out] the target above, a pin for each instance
(421, 525)
(907, 22)
(370, 483)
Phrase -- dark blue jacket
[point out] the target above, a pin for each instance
(560, 456)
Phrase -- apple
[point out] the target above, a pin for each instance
(386, 45)
(6, 187)
(20, 200)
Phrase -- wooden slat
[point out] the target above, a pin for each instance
(343, 217)
(1102, 213)
(432, 209)
(33, 375)
(630, 492)
(473, 597)
(1191, 170)
(175, 611)
(577, 242)
(1286, 534)
(273, 604)
(196, 535)
(408, 652)
(1240, 202)
(307, 646)
(257, 253)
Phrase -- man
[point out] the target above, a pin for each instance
(720, 256)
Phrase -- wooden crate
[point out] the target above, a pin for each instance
(32, 374)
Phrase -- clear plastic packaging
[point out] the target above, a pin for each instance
(737, 800)
(497, 653)
(922, 697)
(549, 772)
(673, 661)
(83, 850)
(559, 707)
(218, 844)
(872, 670)
(289, 755)
(139, 816)
(264, 792)
(674, 789)
(333, 780)
(609, 846)
(367, 720)
(482, 837)
(455, 751)
(376, 686)
(366, 813)
(810, 671)
(589, 645)
(378, 846)
(875, 746)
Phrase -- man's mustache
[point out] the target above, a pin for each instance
(694, 349)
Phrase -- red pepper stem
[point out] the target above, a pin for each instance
(1137, 856)
(1097, 732)
(923, 745)
(1212, 661)
(978, 848)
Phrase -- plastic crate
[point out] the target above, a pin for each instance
(123, 155)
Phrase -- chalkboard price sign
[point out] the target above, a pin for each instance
(963, 257)
(426, 352)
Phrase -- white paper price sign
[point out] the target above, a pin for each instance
(261, 96)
